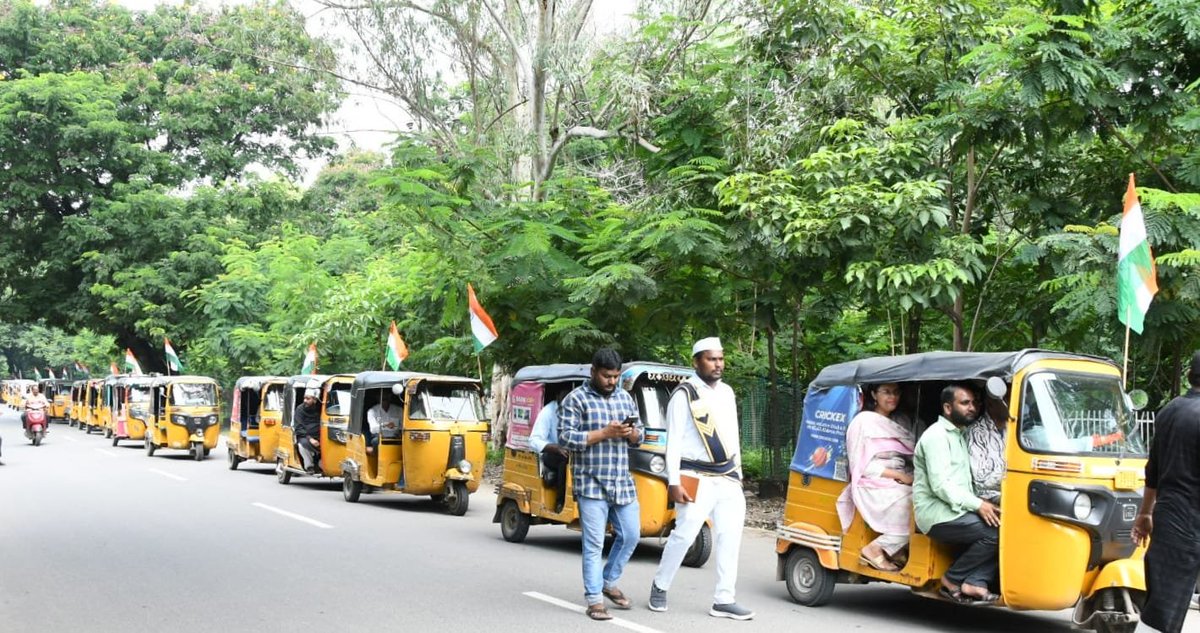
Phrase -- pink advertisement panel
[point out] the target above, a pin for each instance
(524, 404)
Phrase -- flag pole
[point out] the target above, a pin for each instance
(1125, 364)
(479, 365)
(383, 354)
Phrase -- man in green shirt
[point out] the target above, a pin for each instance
(946, 506)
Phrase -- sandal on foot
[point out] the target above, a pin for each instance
(598, 612)
(880, 562)
(981, 601)
(617, 598)
(956, 597)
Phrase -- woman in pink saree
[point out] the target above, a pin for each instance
(879, 448)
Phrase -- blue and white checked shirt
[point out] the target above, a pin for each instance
(600, 471)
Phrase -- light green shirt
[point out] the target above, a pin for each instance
(942, 489)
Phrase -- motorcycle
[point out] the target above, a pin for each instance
(35, 426)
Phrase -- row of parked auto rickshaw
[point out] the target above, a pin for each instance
(1068, 501)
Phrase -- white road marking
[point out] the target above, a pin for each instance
(69, 439)
(292, 515)
(167, 474)
(104, 452)
(571, 606)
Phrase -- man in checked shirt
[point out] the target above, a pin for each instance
(598, 422)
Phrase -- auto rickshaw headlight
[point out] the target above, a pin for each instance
(1082, 508)
(178, 419)
(211, 419)
(465, 467)
(657, 464)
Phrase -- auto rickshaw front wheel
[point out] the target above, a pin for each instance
(514, 524)
(198, 451)
(351, 488)
(807, 581)
(456, 498)
(282, 474)
(701, 548)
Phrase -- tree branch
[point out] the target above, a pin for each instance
(587, 131)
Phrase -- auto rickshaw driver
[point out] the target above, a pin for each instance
(307, 422)
(385, 418)
(543, 439)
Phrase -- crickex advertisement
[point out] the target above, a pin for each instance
(821, 442)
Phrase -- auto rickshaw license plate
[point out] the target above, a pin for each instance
(1126, 480)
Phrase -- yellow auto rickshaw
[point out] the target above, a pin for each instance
(133, 410)
(55, 398)
(1075, 469)
(95, 388)
(76, 407)
(186, 415)
(254, 420)
(433, 440)
(334, 403)
(525, 498)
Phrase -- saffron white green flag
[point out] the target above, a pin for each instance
(1136, 278)
(173, 362)
(483, 331)
(397, 351)
(310, 360)
(131, 364)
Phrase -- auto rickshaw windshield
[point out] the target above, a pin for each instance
(274, 400)
(654, 399)
(1079, 414)
(446, 402)
(339, 401)
(139, 393)
(184, 394)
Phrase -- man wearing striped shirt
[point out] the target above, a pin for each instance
(598, 422)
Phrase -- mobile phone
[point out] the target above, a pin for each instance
(630, 421)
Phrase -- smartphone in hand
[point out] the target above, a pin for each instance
(630, 421)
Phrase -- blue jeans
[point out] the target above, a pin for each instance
(594, 516)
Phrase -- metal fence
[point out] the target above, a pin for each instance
(769, 420)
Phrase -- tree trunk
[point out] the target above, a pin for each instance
(956, 317)
(912, 334)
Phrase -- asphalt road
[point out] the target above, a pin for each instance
(95, 538)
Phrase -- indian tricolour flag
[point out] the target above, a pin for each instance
(131, 364)
(310, 360)
(397, 351)
(1136, 281)
(173, 362)
(482, 329)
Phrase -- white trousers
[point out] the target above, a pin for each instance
(722, 499)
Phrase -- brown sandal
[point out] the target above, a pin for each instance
(598, 612)
(618, 599)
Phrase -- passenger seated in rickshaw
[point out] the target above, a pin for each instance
(946, 506)
(543, 439)
(307, 422)
(384, 418)
(879, 446)
(985, 444)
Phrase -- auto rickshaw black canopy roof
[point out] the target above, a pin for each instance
(385, 379)
(553, 373)
(937, 366)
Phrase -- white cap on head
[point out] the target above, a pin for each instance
(312, 393)
(710, 344)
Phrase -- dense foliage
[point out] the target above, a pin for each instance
(811, 181)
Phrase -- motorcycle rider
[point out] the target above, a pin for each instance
(35, 401)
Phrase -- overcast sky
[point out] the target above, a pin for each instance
(370, 121)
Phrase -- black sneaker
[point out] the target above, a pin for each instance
(658, 598)
(732, 610)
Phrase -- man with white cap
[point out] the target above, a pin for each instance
(307, 422)
(703, 446)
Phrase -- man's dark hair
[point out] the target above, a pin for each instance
(606, 358)
(1194, 372)
(948, 392)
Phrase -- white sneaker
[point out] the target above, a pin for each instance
(731, 610)
(1195, 603)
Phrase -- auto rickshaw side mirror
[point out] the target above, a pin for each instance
(1138, 399)
(398, 389)
(997, 388)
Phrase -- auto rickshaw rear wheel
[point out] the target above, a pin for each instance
(150, 444)
(701, 548)
(108, 433)
(281, 473)
(808, 582)
(456, 498)
(514, 524)
(351, 489)
(234, 460)
(115, 440)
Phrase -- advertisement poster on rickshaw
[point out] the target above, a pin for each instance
(524, 404)
(821, 442)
